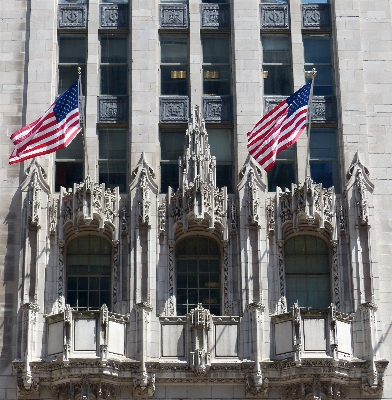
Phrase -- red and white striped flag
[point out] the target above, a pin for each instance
(51, 132)
(279, 128)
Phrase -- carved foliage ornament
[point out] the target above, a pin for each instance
(144, 199)
(34, 200)
(360, 196)
(144, 385)
(253, 201)
(256, 385)
(72, 16)
(215, 15)
(274, 16)
(28, 386)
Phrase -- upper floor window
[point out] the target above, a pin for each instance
(307, 268)
(324, 164)
(277, 65)
(283, 174)
(115, 1)
(317, 51)
(314, 1)
(112, 158)
(72, 53)
(274, 1)
(216, 65)
(72, 1)
(198, 274)
(89, 273)
(69, 164)
(114, 65)
(174, 65)
(221, 146)
(172, 147)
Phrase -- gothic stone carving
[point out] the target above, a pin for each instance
(171, 307)
(218, 109)
(52, 209)
(173, 16)
(162, 218)
(324, 109)
(112, 109)
(316, 16)
(361, 202)
(253, 200)
(144, 202)
(201, 323)
(72, 16)
(257, 385)
(113, 16)
(28, 387)
(173, 109)
(34, 201)
(144, 385)
(274, 16)
(214, 16)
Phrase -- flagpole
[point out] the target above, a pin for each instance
(309, 74)
(81, 107)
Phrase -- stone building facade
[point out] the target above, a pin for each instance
(154, 258)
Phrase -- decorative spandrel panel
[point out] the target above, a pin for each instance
(274, 16)
(316, 16)
(114, 16)
(174, 109)
(218, 109)
(173, 16)
(323, 107)
(113, 109)
(214, 16)
(72, 16)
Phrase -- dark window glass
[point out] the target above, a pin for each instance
(172, 147)
(198, 274)
(307, 272)
(277, 65)
(174, 65)
(112, 160)
(216, 65)
(324, 165)
(88, 273)
(221, 146)
(114, 65)
(72, 54)
(69, 164)
(283, 173)
(317, 51)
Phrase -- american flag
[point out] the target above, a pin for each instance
(279, 128)
(51, 132)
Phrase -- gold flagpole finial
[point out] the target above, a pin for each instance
(311, 74)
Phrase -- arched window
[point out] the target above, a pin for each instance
(307, 272)
(88, 273)
(198, 274)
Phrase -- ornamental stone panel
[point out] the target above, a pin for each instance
(214, 16)
(113, 109)
(173, 16)
(72, 16)
(218, 109)
(174, 109)
(323, 107)
(274, 16)
(316, 16)
(114, 16)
